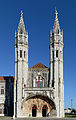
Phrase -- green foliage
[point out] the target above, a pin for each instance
(71, 116)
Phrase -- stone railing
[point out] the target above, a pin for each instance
(38, 89)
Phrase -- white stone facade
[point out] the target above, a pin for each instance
(39, 84)
(2, 97)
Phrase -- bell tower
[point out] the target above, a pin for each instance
(21, 66)
(56, 66)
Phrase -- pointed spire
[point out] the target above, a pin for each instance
(56, 27)
(21, 27)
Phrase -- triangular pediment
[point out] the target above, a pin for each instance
(39, 65)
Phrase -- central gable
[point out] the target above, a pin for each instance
(39, 65)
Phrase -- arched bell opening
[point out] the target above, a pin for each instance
(34, 111)
(44, 111)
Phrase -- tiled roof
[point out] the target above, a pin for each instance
(6, 77)
(39, 65)
(1, 78)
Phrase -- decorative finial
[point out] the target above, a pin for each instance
(56, 13)
(21, 13)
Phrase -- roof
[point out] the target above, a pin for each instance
(6, 77)
(39, 65)
(1, 78)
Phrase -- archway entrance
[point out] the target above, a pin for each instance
(34, 105)
(44, 111)
(34, 109)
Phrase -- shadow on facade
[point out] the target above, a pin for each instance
(9, 96)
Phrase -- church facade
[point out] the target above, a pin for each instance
(37, 91)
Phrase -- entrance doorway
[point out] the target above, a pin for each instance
(44, 111)
(34, 109)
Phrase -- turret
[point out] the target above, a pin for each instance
(21, 65)
(56, 66)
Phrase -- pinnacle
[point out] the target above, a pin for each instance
(56, 26)
(21, 14)
(56, 13)
(21, 26)
(21, 18)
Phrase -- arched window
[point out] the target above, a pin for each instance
(20, 53)
(39, 82)
(58, 31)
(57, 53)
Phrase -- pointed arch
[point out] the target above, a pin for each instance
(38, 104)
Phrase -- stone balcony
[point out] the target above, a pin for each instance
(39, 91)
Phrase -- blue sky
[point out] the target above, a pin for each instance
(39, 19)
